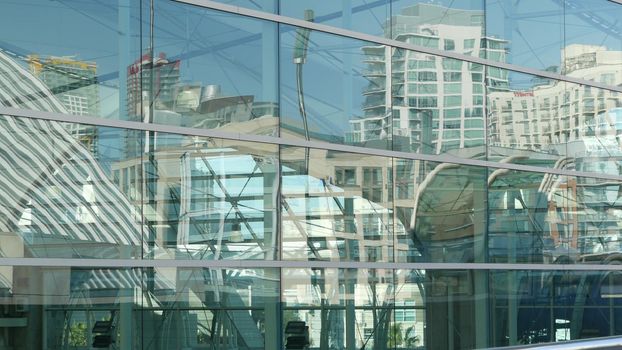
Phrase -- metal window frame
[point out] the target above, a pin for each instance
(291, 264)
(249, 264)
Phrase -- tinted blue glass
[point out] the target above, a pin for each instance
(212, 70)
(528, 118)
(596, 238)
(348, 298)
(70, 57)
(527, 217)
(514, 32)
(452, 25)
(213, 306)
(139, 308)
(592, 38)
(369, 17)
(546, 218)
(334, 89)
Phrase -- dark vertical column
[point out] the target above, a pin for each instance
(350, 281)
(481, 299)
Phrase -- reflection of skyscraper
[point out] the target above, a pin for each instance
(162, 73)
(437, 103)
(75, 84)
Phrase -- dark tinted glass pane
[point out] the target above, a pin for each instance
(532, 307)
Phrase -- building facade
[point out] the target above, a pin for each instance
(74, 83)
(236, 174)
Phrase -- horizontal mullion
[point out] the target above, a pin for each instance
(251, 264)
(442, 158)
(390, 306)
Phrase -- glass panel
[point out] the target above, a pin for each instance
(408, 326)
(72, 308)
(516, 33)
(381, 309)
(527, 118)
(212, 308)
(593, 39)
(529, 217)
(438, 105)
(341, 306)
(440, 212)
(134, 308)
(549, 306)
(545, 218)
(63, 194)
(210, 198)
(451, 25)
(595, 124)
(369, 17)
(457, 309)
(353, 108)
(597, 209)
(69, 57)
(203, 77)
(336, 206)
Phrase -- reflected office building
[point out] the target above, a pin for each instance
(249, 175)
(431, 104)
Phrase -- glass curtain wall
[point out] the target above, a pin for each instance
(320, 175)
